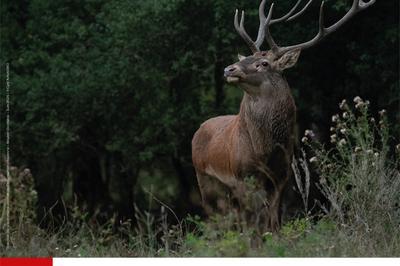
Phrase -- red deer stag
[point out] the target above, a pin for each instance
(226, 149)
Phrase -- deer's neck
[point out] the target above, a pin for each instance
(268, 118)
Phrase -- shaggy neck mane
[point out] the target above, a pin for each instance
(269, 115)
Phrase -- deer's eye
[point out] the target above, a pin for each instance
(264, 63)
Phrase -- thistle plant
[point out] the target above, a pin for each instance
(19, 204)
(359, 172)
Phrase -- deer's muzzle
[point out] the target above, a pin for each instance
(232, 74)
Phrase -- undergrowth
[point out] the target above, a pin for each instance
(359, 175)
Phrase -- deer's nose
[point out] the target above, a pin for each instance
(229, 70)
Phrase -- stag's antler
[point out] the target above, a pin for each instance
(266, 22)
(357, 6)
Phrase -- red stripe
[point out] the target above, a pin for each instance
(26, 262)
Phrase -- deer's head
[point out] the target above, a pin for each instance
(262, 66)
(252, 71)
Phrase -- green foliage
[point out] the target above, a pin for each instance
(120, 85)
(295, 228)
(106, 96)
(218, 237)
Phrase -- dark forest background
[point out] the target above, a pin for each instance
(106, 95)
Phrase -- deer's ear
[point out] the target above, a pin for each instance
(241, 57)
(288, 60)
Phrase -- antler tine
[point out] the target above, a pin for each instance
(300, 12)
(357, 6)
(289, 14)
(242, 32)
(363, 5)
(261, 29)
(274, 47)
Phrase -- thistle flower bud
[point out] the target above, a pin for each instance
(345, 115)
(313, 159)
(376, 154)
(343, 105)
(343, 131)
(358, 99)
(26, 171)
(304, 140)
(359, 105)
(309, 133)
(342, 142)
(335, 118)
(333, 138)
